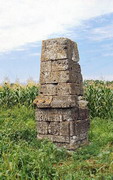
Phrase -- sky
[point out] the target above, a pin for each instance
(25, 23)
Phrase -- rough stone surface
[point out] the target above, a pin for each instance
(69, 89)
(67, 76)
(61, 111)
(64, 101)
(48, 89)
(60, 48)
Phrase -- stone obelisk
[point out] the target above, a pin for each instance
(61, 111)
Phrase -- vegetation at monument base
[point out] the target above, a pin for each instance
(23, 157)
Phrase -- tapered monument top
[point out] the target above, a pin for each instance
(59, 48)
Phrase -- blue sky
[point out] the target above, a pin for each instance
(25, 24)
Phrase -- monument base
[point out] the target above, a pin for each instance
(64, 127)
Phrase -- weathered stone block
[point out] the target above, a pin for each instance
(64, 101)
(73, 144)
(72, 128)
(70, 77)
(64, 64)
(54, 128)
(68, 89)
(42, 127)
(79, 137)
(45, 77)
(41, 115)
(55, 138)
(74, 66)
(75, 77)
(60, 65)
(65, 89)
(50, 77)
(48, 89)
(61, 139)
(70, 114)
(79, 90)
(81, 126)
(60, 76)
(60, 48)
(46, 66)
(43, 101)
(64, 128)
(53, 114)
(83, 113)
(64, 76)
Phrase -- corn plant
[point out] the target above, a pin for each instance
(10, 96)
(100, 99)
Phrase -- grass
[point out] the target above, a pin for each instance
(23, 157)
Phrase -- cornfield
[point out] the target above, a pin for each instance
(99, 94)
(17, 94)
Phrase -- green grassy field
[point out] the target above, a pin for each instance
(23, 157)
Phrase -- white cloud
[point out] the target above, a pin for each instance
(20, 49)
(34, 54)
(102, 33)
(28, 21)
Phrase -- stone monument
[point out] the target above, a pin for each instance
(61, 111)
